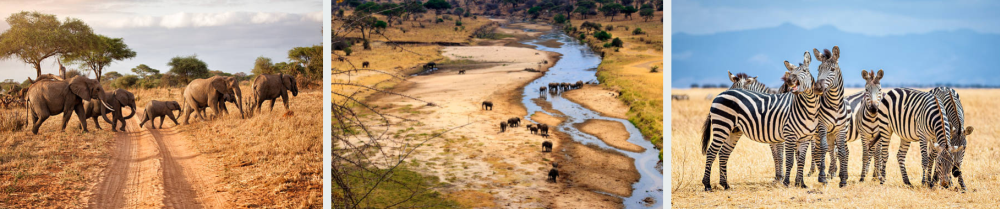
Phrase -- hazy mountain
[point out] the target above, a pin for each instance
(960, 56)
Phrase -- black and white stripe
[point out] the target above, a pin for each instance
(914, 116)
(765, 118)
(952, 105)
(860, 123)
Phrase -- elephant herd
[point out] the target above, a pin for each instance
(556, 87)
(540, 129)
(50, 95)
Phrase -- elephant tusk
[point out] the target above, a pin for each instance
(107, 106)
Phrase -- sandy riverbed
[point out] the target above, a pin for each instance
(598, 99)
(611, 132)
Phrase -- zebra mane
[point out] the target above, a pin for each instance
(742, 76)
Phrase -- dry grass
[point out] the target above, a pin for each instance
(751, 168)
(53, 168)
(628, 70)
(273, 159)
(382, 58)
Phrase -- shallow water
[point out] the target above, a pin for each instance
(579, 63)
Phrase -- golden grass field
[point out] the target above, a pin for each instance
(431, 32)
(629, 70)
(263, 161)
(751, 168)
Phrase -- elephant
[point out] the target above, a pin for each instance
(534, 130)
(528, 126)
(270, 87)
(541, 89)
(364, 64)
(553, 174)
(430, 65)
(579, 84)
(47, 97)
(222, 105)
(514, 122)
(161, 109)
(503, 127)
(118, 99)
(207, 92)
(544, 135)
(564, 85)
(554, 86)
(546, 146)
(487, 105)
(461, 71)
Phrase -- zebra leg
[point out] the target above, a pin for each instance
(713, 150)
(801, 159)
(925, 171)
(789, 160)
(727, 149)
(929, 166)
(815, 150)
(776, 154)
(866, 150)
(834, 150)
(883, 158)
(819, 154)
(904, 146)
(842, 156)
(961, 182)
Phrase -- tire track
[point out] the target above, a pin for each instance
(156, 168)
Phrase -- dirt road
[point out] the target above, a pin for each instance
(156, 168)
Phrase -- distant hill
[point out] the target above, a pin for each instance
(961, 56)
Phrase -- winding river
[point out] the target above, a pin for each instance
(579, 63)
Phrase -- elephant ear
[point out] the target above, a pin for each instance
(287, 81)
(220, 85)
(79, 88)
(123, 97)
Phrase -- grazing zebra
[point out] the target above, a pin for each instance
(860, 123)
(765, 118)
(952, 105)
(914, 116)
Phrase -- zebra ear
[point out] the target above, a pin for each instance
(818, 55)
(968, 130)
(806, 58)
(865, 75)
(836, 53)
(732, 77)
(879, 76)
(789, 65)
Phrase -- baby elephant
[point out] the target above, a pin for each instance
(461, 72)
(503, 127)
(365, 64)
(159, 109)
(546, 146)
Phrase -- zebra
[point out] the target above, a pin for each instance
(860, 123)
(914, 116)
(832, 107)
(766, 118)
(952, 105)
(744, 81)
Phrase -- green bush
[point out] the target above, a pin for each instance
(125, 82)
(607, 45)
(439, 20)
(609, 27)
(347, 51)
(602, 35)
(560, 19)
(637, 31)
(458, 23)
(617, 42)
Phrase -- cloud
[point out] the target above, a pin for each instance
(760, 59)
(186, 19)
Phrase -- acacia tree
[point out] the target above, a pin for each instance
(611, 9)
(310, 58)
(100, 52)
(647, 14)
(263, 65)
(628, 11)
(145, 71)
(188, 68)
(34, 37)
(437, 6)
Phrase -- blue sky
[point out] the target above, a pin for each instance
(914, 41)
(227, 35)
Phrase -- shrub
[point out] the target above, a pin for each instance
(609, 27)
(655, 69)
(637, 31)
(560, 19)
(347, 51)
(124, 82)
(582, 36)
(617, 42)
(12, 121)
(607, 45)
(439, 20)
(602, 35)
(458, 23)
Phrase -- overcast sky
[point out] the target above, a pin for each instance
(227, 35)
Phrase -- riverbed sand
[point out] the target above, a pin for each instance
(612, 133)
(599, 99)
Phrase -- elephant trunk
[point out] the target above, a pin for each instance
(133, 111)
(239, 105)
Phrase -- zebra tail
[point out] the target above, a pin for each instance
(706, 135)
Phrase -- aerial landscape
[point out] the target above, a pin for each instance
(538, 104)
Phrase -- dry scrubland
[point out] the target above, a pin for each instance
(628, 70)
(443, 32)
(260, 161)
(751, 169)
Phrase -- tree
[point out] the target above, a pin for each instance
(627, 2)
(612, 9)
(310, 58)
(100, 52)
(365, 24)
(145, 71)
(560, 19)
(617, 42)
(534, 12)
(585, 8)
(110, 76)
(188, 68)
(437, 5)
(34, 36)
(368, 8)
(391, 11)
(647, 14)
(412, 8)
(628, 11)
(263, 65)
